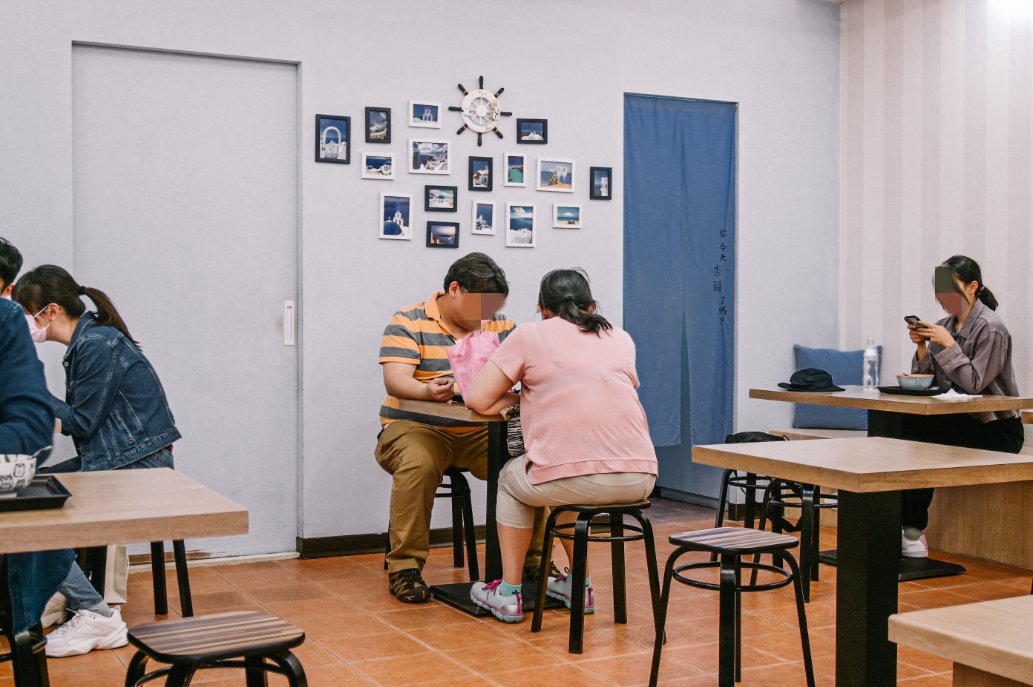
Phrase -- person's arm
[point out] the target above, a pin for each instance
(973, 375)
(26, 420)
(490, 391)
(98, 374)
(400, 382)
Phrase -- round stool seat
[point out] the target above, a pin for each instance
(735, 540)
(207, 638)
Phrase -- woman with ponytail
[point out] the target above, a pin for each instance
(971, 350)
(114, 409)
(585, 432)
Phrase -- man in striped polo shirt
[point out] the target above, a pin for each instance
(417, 449)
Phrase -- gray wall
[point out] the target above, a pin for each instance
(569, 62)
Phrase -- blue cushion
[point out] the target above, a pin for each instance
(845, 368)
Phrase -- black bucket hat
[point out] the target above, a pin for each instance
(810, 379)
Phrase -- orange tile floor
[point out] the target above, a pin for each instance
(358, 635)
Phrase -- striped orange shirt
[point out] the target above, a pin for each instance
(416, 336)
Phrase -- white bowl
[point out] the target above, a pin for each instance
(16, 471)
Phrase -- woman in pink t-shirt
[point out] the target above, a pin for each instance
(585, 432)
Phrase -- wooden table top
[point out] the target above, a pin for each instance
(869, 464)
(121, 507)
(992, 636)
(855, 397)
(448, 409)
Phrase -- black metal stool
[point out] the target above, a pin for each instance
(615, 536)
(458, 490)
(27, 647)
(750, 484)
(731, 544)
(97, 562)
(258, 642)
(780, 495)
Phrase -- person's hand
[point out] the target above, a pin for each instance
(917, 337)
(936, 333)
(439, 389)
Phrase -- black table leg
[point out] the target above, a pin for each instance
(866, 590)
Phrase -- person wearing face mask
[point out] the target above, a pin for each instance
(115, 411)
(971, 349)
(416, 449)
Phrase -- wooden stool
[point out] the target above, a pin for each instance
(258, 642)
(582, 534)
(731, 544)
(457, 489)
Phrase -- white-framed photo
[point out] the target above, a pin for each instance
(555, 175)
(514, 166)
(430, 156)
(378, 166)
(482, 219)
(396, 216)
(520, 229)
(566, 216)
(424, 114)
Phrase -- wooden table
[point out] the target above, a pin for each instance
(888, 415)
(869, 474)
(121, 507)
(990, 643)
(458, 594)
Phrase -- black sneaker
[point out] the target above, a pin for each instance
(408, 586)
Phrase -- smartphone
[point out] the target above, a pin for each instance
(912, 319)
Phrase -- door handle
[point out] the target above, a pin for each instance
(288, 323)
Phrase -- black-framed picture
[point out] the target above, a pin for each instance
(333, 139)
(440, 198)
(482, 173)
(378, 125)
(442, 234)
(600, 183)
(532, 131)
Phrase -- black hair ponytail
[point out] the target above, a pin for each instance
(967, 270)
(48, 284)
(567, 293)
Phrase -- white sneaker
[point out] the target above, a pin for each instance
(914, 548)
(85, 632)
(55, 611)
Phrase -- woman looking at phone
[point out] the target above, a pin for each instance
(115, 411)
(972, 350)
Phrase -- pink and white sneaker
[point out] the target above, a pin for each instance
(508, 609)
(559, 588)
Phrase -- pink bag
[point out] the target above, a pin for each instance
(470, 354)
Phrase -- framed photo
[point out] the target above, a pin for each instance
(333, 139)
(378, 125)
(533, 131)
(600, 183)
(396, 216)
(566, 216)
(513, 165)
(442, 234)
(440, 198)
(482, 173)
(520, 229)
(424, 114)
(555, 175)
(483, 218)
(430, 156)
(378, 166)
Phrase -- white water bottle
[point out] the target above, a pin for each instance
(870, 378)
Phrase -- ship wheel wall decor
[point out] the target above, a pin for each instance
(480, 110)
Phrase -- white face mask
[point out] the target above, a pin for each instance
(38, 334)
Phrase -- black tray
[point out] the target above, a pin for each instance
(43, 492)
(931, 391)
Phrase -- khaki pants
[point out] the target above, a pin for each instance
(416, 455)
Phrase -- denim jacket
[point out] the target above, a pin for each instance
(115, 408)
(26, 425)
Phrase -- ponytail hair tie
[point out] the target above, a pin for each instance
(82, 290)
